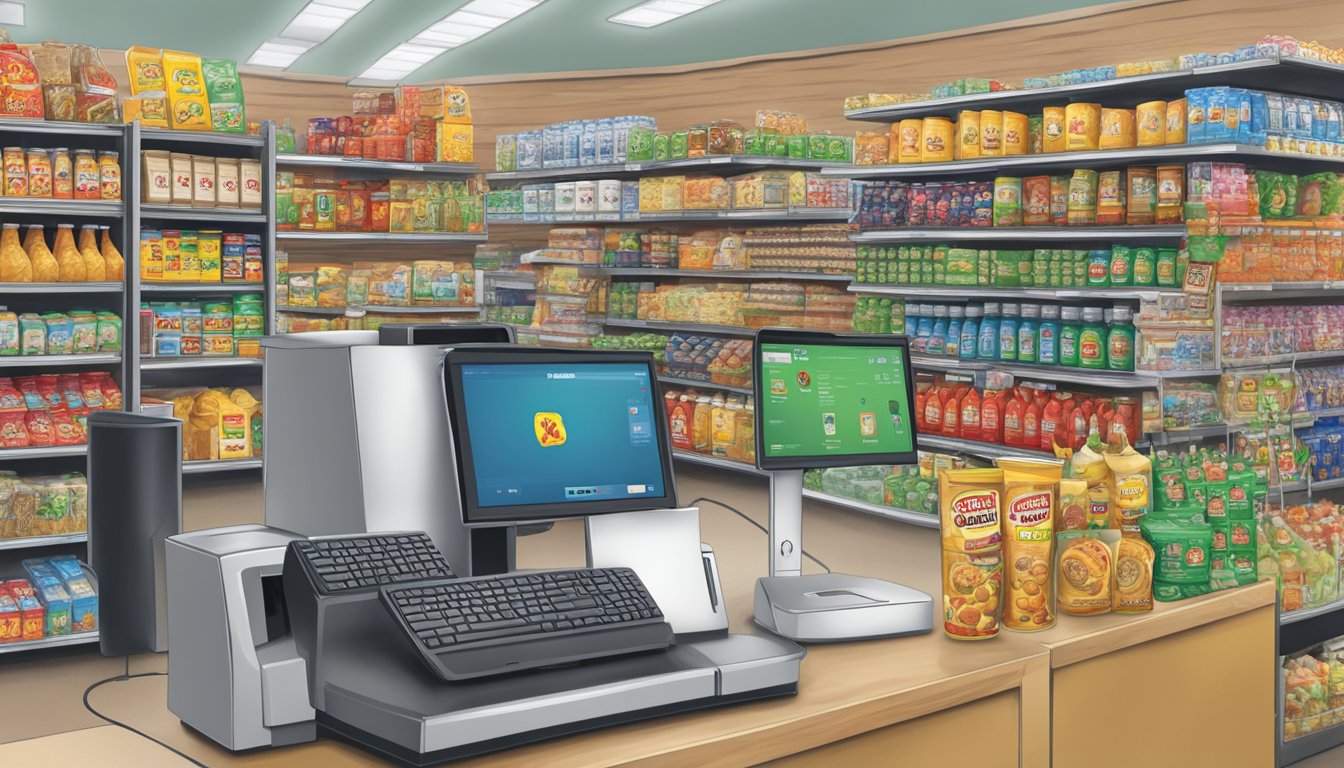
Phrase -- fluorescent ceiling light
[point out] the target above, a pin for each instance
(467, 23)
(11, 13)
(311, 27)
(279, 52)
(656, 12)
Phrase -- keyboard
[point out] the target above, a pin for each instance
(343, 564)
(479, 626)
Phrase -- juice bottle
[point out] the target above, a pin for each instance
(1069, 329)
(921, 395)
(1047, 341)
(970, 414)
(1031, 424)
(937, 338)
(1013, 410)
(952, 413)
(1120, 340)
(1092, 339)
(970, 333)
(933, 411)
(1008, 333)
(955, 319)
(680, 417)
(991, 417)
(1052, 419)
(987, 345)
(1026, 333)
(700, 424)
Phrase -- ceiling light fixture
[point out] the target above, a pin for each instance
(467, 23)
(11, 13)
(656, 12)
(310, 28)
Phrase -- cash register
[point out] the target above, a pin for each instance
(376, 635)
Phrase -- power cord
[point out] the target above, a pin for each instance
(762, 528)
(126, 675)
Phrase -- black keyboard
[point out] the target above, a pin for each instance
(341, 564)
(489, 625)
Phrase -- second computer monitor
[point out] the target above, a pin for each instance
(832, 400)
(547, 434)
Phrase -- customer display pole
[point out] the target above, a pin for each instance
(786, 523)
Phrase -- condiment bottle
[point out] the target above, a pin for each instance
(1092, 339)
(1069, 329)
(1031, 423)
(1008, 333)
(1120, 340)
(1047, 344)
(1026, 333)
(991, 417)
(68, 257)
(45, 269)
(952, 343)
(1052, 419)
(952, 412)
(95, 269)
(115, 269)
(987, 345)
(970, 414)
(970, 333)
(1012, 419)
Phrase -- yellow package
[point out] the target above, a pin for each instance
(188, 107)
(456, 106)
(968, 135)
(938, 140)
(1152, 121)
(1082, 121)
(1030, 488)
(1073, 505)
(1052, 130)
(1134, 576)
(991, 133)
(909, 146)
(1014, 133)
(145, 68)
(456, 144)
(1131, 486)
(1086, 571)
(1089, 466)
(969, 503)
(1117, 129)
(1175, 133)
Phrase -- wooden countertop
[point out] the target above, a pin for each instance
(845, 689)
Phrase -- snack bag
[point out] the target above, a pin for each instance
(970, 501)
(456, 106)
(149, 102)
(224, 89)
(1030, 488)
(1133, 576)
(1073, 505)
(1086, 571)
(1182, 550)
(1131, 489)
(189, 109)
(1090, 466)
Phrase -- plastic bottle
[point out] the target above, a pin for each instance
(1092, 339)
(1047, 336)
(987, 344)
(952, 411)
(1122, 265)
(1031, 422)
(1012, 419)
(1069, 329)
(1120, 340)
(1098, 268)
(991, 417)
(925, 328)
(1027, 333)
(1052, 419)
(1008, 333)
(284, 137)
(970, 333)
(952, 344)
(936, 345)
(932, 421)
(970, 414)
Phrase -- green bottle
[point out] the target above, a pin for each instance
(1166, 267)
(1092, 338)
(1069, 330)
(1120, 340)
(1145, 267)
(1122, 265)
(1182, 262)
(1098, 268)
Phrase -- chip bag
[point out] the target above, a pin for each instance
(1085, 567)
(1030, 493)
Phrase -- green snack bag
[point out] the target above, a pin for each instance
(1222, 539)
(1182, 550)
(224, 89)
(816, 145)
(1167, 593)
(661, 147)
(639, 144)
(1241, 493)
(1196, 488)
(1145, 267)
(1170, 489)
(677, 146)
(1122, 265)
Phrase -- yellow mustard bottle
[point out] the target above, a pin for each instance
(45, 269)
(15, 267)
(700, 424)
(68, 258)
(95, 269)
(116, 265)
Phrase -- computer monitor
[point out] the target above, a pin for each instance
(547, 434)
(833, 400)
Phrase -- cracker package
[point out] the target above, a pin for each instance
(224, 90)
(456, 106)
(189, 108)
(1030, 494)
(1131, 484)
(149, 97)
(1086, 571)
(970, 501)
(1133, 576)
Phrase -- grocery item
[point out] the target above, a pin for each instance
(1132, 481)
(1085, 567)
(968, 135)
(938, 138)
(1117, 129)
(1053, 137)
(1083, 121)
(1030, 489)
(115, 265)
(15, 265)
(69, 260)
(95, 269)
(1073, 505)
(1015, 134)
(188, 105)
(1151, 117)
(1133, 576)
(969, 501)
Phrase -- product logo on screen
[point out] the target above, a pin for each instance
(550, 429)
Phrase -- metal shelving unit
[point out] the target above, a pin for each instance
(188, 213)
(1097, 378)
(1157, 233)
(194, 363)
(48, 452)
(989, 292)
(1268, 361)
(717, 463)
(50, 289)
(669, 325)
(84, 638)
(219, 465)
(727, 274)
(201, 288)
(381, 237)
(61, 361)
(33, 542)
(890, 513)
(977, 448)
(708, 164)
(764, 215)
(682, 382)
(361, 166)
(98, 209)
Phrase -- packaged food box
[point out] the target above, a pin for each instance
(31, 613)
(189, 107)
(11, 624)
(224, 91)
(149, 100)
(52, 594)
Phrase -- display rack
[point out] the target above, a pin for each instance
(60, 641)
(766, 215)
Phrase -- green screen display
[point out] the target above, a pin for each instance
(833, 401)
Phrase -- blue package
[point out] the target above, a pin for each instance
(1320, 119)
(552, 146)
(630, 196)
(66, 566)
(1332, 128)
(588, 143)
(606, 142)
(1196, 112)
(1289, 116)
(1215, 116)
(571, 141)
(1259, 118)
(83, 604)
(1238, 117)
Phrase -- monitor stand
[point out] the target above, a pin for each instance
(826, 607)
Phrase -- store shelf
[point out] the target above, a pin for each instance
(1146, 233)
(977, 448)
(1194, 434)
(336, 162)
(1287, 74)
(202, 288)
(162, 135)
(1266, 361)
(1238, 292)
(771, 215)
(667, 325)
(82, 638)
(33, 542)
(382, 237)
(717, 463)
(57, 361)
(727, 274)
(989, 292)
(61, 127)
(1049, 373)
(51, 452)
(328, 311)
(46, 289)
(186, 363)
(1310, 613)
(681, 382)
(417, 310)
(890, 513)
(187, 213)
(40, 206)
(708, 164)
(219, 465)
(1291, 752)
(1027, 164)
(560, 174)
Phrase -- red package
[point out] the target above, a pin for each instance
(68, 431)
(30, 609)
(11, 627)
(11, 399)
(92, 391)
(13, 432)
(41, 432)
(46, 386)
(111, 392)
(68, 386)
(91, 107)
(32, 397)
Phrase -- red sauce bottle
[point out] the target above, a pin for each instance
(970, 414)
(991, 417)
(1031, 424)
(1012, 421)
(1052, 418)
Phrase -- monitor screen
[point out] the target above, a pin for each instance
(827, 400)
(543, 434)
